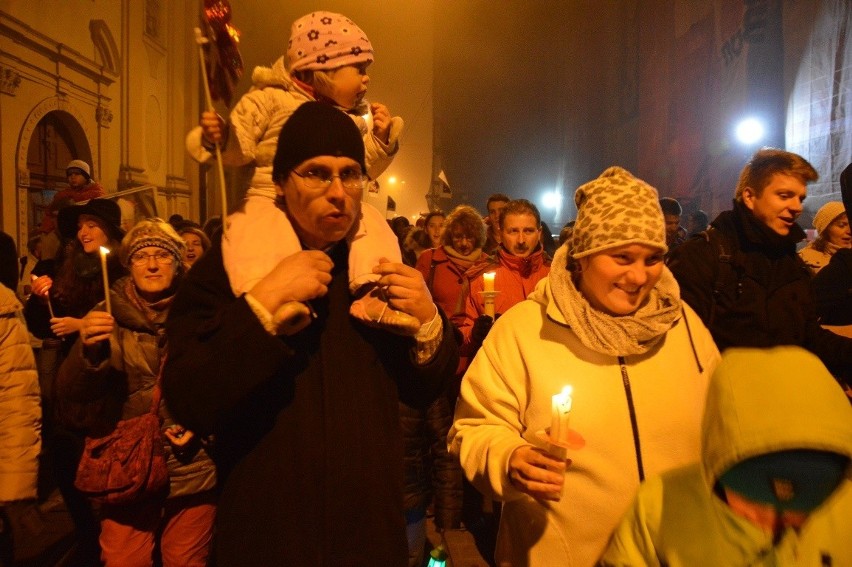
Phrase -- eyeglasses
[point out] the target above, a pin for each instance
(162, 258)
(462, 237)
(321, 178)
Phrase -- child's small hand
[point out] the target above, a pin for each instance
(381, 121)
(212, 127)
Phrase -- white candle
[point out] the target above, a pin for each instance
(488, 293)
(560, 414)
(488, 281)
(104, 252)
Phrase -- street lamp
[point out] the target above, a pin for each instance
(553, 200)
(750, 131)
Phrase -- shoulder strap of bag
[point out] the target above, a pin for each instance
(158, 392)
(727, 270)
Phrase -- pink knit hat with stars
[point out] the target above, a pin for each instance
(321, 41)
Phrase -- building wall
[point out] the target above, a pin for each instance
(706, 65)
(124, 71)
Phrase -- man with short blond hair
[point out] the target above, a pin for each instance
(745, 279)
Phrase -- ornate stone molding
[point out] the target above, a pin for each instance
(131, 176)
(103, 116)
(10, 80)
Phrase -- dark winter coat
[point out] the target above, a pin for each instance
(832, 290)
(430, 470)
(94, 396)
(307, 427)
(750, 288)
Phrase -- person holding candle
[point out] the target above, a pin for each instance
(608, 322)
(111, 373)
(70, 292)
(518, 266)
(306, 422)
(773, 483)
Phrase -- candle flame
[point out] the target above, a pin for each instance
(104, 250)
(489, 275)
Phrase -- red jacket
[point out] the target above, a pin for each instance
(515, 278)
(446, 279)
(91, 191)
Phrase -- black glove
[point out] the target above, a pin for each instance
(481, 326)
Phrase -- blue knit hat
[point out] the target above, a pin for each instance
(797, 480)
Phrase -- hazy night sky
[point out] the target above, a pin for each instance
(519, 91)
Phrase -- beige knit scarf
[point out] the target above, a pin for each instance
(463, 261)
(617, 336)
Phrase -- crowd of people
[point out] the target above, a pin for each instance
(322, 380)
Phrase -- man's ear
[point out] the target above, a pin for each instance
(749, 195)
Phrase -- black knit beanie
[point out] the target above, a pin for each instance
(316, 129)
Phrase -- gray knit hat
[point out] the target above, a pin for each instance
(152, 232)
(616, 209)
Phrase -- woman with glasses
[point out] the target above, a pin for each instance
(112, 372)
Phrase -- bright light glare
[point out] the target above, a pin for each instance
(392, 179)
(749, 131)
(552, 199)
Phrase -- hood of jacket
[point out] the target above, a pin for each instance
(763, 401)
(275, 76)
(8, 301)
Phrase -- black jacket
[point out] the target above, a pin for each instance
(750, 288)
(307, 434)
(430, 470)
(832, 290)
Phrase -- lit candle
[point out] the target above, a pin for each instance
(560, 414)
(104, 252)
(488, 281)
(488, 293)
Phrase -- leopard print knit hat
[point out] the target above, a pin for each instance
(616, 209)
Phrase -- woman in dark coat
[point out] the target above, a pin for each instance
(111, 373)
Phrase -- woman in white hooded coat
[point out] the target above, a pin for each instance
(608, 321)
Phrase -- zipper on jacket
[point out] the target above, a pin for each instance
(633, 423)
